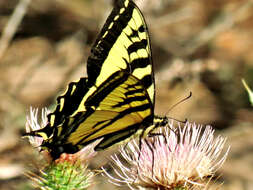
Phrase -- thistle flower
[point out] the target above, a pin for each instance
(63, 175)
(179, 158)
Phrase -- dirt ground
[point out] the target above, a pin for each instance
(199, 46)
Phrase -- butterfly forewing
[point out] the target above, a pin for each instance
(123, 44)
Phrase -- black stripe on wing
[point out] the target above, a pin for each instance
(113, 138)
(137, 45)
(129, 100)
(147, 81)
(141, 62)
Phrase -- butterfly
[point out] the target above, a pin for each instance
(116, 100)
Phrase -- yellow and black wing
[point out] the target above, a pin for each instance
(123, 44)
(117, 97)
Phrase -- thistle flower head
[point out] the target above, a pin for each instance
(63, 175)
(70, 171)
(180, 157)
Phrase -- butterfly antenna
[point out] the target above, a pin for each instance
(180, 121)
(186, 98)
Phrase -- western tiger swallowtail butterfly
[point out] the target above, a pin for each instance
(116, 100)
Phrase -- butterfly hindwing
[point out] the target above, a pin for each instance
(123, 108)
(68, 103)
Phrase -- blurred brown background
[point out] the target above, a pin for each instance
(202, 46)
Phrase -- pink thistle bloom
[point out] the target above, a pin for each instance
(181, 157)
(69, 170)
